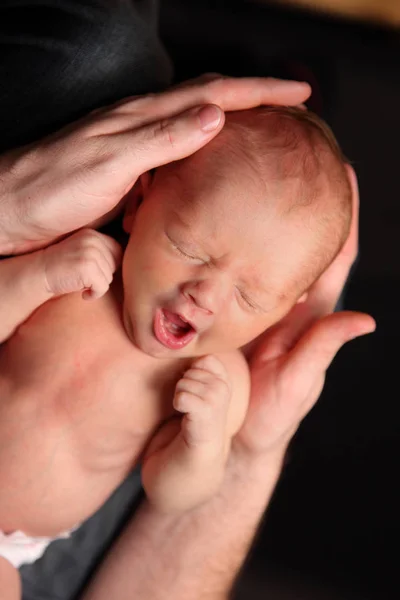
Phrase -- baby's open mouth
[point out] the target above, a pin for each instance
(171, 330)
(175, 324)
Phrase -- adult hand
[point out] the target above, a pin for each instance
(74, 177)
(289, 361)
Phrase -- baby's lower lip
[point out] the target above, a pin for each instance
(165, 337)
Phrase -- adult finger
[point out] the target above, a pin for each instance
(315, 351)
(325, 293)
(168, 140)
(228, 93)
(205, 78)
(322, 296)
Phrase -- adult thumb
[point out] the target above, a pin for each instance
(316, 349)
(171, 139)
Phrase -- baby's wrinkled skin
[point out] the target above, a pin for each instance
(85, 384)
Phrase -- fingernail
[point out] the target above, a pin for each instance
(209, 117)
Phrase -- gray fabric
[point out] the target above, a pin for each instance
(67, 564)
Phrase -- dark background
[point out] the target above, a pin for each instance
(333, 528)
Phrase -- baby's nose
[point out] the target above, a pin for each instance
(208, 294)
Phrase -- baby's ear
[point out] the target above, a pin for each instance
(133, 200)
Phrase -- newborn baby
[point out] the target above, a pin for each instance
(222, 245)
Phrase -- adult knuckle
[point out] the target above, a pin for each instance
(217, 86)
(163, 133)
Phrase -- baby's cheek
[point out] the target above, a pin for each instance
(161, 273)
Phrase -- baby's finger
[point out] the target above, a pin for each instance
(187, 402)
(191, 386)
(104, 262)
(97, 288)
(104, 254)
(199, 374)
(96, 279)
(113, 247)
(202, 420)
(212, 364)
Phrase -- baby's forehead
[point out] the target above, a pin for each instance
(261, 159)
(219, 171)
(232, 185)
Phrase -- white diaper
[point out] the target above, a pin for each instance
(20, 549)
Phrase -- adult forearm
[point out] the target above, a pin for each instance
(194, 556)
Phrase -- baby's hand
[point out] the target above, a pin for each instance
(84, 261)
(184, 464)
(203, 395)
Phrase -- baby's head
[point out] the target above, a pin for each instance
(232, 237)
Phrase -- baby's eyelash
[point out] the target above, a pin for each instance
(246, 299)
(178, 249)
(184, 253)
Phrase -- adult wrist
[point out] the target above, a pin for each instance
(257, 468)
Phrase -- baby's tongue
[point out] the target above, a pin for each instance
(174, 318)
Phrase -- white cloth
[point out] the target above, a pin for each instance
(20, 549)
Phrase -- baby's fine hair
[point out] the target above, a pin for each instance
(296, 157)
(296, 153)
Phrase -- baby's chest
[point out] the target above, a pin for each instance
(76, 440)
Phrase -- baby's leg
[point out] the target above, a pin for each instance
(10, 582)
(184, 464)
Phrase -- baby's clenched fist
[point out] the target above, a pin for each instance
(184, 463)
(203, 395)
(84, 261)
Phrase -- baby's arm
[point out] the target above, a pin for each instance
(185, 462)
(22, 290)
(85, 261)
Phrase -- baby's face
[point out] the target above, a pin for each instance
(217, 254)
